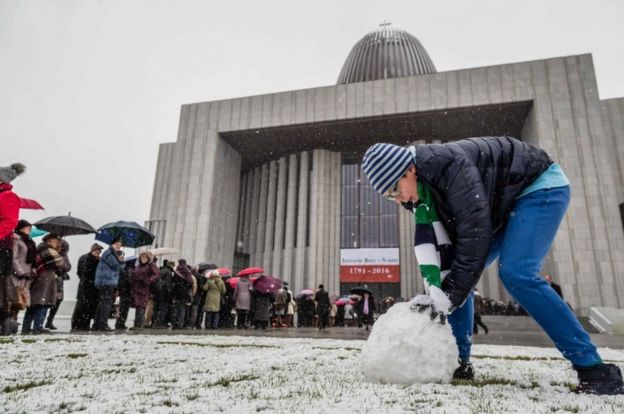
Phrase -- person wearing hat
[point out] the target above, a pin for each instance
(9, 214)
(60, 283)
(24, 253)
(87, 295)
(476, 200)
(215, 289)
(43, 290)
(106, 280)
(142, 277)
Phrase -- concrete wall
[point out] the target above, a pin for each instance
(196, 187)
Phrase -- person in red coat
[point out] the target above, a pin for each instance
(9, 216)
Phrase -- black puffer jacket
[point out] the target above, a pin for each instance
(474, 183)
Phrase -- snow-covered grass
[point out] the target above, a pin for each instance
(154, 373)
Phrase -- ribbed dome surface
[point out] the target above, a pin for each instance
(387, 52)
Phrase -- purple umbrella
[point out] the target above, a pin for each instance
(267, 284)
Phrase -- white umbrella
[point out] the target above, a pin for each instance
(164, 251)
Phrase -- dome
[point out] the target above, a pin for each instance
(387, 52)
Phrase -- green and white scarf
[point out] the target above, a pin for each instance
(433, 248)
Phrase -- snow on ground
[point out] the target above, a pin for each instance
(167, 373)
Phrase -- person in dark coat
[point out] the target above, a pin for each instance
(340, 314)
(24, 267)
(182, 284)
(142, 277)
(106, 281)
(86, 297)
(60, 283)
(261, 308)
(365, 309)
(478, 311)
(308, 310)
(162, 296)
(226, 319)
(495, 197)
(9, 215)
(124, 291)
(554, 285)
(43, 288)
(323, 306)
(197, 314)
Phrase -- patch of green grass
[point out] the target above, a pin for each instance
(517, 358)
(217, 345)
(6, 341)
(225, 382)
(28, 341)
(346, 348)
(25, 386)
(483, 381)
(62, 340)
(169, 403)
(192, 397)
(76, 355)
(130, 370)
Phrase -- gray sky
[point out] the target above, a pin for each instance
(90, 88)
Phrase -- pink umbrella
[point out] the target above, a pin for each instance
(28, 204)
(224, 271)
(342, 301)
(233, 281)
(250, 271)
(267, 284)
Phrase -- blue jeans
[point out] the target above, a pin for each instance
(521, 247)
(35, 315)
(212, 320)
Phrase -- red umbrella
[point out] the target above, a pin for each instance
(267, 284)
(28, 204)
(233, 281)
(224, 271)
(250, 271)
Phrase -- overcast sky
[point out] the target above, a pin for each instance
(88, 89)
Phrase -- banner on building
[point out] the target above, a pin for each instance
(370, 266)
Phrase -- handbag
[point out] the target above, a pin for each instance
(22, 299)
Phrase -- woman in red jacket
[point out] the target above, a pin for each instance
(9, 215)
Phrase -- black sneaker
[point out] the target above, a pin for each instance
(603, 379)
(464, 372)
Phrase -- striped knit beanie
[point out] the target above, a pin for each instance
(384, 164)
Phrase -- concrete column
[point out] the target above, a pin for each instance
(259, 215)
(335, 224)
(280, 217)
(240, 231)
(269, 233)
(315, 231)
(291, 214)
(249, 197)
(302, 222)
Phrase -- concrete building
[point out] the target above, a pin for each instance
(274, 180)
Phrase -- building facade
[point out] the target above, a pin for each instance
(275, 180)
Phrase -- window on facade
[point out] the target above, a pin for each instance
(367, 219)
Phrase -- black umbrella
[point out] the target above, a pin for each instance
(131, 234)
(64, 226)
(360, 290)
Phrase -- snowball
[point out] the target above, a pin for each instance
(406, 347)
